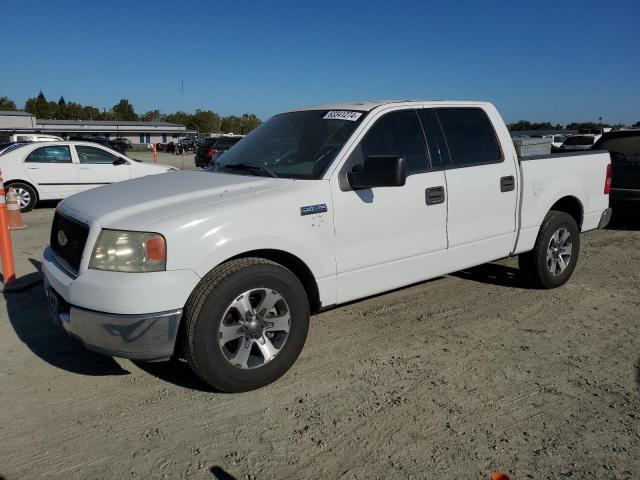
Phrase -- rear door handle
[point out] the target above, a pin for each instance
(434, 195)
(507, 184)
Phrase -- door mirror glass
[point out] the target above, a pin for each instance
(379, 171)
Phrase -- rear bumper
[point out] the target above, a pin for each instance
(605, 218)
(624, 195)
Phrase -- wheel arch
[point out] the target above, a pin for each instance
(8, 183)
(293, 263)
(571, 206)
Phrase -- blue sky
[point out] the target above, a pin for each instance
(556, 61)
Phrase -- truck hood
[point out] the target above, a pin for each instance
(135, 203)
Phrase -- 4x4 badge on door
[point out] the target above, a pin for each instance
(312, 209)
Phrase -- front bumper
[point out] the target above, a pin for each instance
(139, 336)
(109, 311)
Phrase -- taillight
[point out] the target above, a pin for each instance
(607, 181)
(211, 151)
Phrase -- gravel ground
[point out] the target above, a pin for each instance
(451, 378)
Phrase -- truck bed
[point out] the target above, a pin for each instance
(578, 177)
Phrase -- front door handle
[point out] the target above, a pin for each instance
(507, 184)
(434, 195)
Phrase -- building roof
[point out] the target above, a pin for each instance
(106, 123)
(15, 113)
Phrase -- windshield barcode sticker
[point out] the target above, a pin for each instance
(342, 115)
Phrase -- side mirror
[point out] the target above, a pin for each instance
(120, 161)
(379, 171)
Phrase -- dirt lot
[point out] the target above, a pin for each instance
(452, 378)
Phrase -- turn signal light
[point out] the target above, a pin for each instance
(156, 249)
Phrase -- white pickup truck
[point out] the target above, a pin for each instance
(317, 207)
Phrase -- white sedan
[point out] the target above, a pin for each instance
(55, 170)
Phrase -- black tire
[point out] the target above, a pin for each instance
(31, 192)
(204, 313)
(534, 264)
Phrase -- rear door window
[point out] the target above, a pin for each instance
(398, 134)
(470, 136)
(50, 154)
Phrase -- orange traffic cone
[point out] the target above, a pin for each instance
(499, 476)
(13, 211)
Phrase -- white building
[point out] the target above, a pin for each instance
(139, 133)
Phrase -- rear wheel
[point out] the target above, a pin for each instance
(27, 196)
(554, 256)
(245, 324)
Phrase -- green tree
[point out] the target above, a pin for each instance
(524, 125)
(7, 104)
(206, 121)
(152, 116)
(42, 106)
(90, 113)
(579, 125)
(231, 124)
(73, 111)
(248, 122)
(62, 109)
(124, 111)
(181, 118)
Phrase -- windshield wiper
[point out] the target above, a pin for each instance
(249, 167)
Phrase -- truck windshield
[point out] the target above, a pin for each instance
(291, 145)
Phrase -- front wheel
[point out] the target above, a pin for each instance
(245, 324)
(555, 253)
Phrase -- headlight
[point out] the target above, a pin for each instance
(121, 251)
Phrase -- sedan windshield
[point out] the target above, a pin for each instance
(291, 145)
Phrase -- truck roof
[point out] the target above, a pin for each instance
(368, 105)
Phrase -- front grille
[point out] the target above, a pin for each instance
(68, 238)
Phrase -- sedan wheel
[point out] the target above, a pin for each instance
(27, 197)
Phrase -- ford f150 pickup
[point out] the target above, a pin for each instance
(317, 207)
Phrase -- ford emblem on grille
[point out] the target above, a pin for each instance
(62, 238)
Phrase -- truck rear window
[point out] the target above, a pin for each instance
(579, 140)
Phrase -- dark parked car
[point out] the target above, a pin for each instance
(188, 144)
(121, 144)
(209, 146)
(624, 147)
(116, 144)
